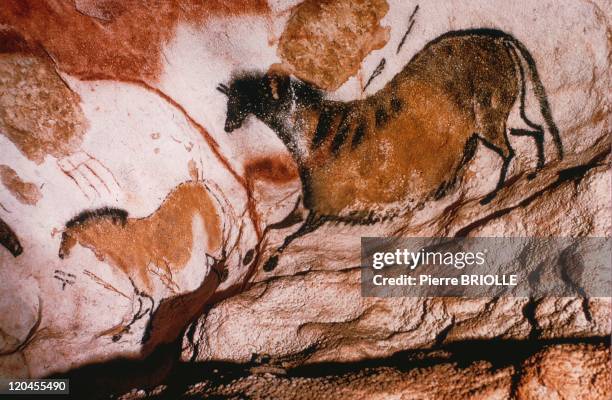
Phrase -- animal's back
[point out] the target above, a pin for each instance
(169, 229)
(467, 64)
(407, 157)
(417, 126)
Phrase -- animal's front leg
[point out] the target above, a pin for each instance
(312, 222)
(538, 136)
(507, 154)
(502, 179)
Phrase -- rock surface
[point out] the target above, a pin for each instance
(335, 323)
(567, 372)
(556, 372)
(130, 218)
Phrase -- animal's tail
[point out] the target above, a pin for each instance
(538, 89)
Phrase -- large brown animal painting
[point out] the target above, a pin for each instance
(409, 141)
(164, 239)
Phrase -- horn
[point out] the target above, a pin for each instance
(223, 89)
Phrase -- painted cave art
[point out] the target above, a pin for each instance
(9, 239)
(359, 161)
(163, 240)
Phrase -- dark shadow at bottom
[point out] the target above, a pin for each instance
(107, 380)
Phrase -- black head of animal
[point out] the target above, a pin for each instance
(263, 95)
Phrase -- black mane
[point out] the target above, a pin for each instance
(247, 83)
(116, 215)
(306, 92)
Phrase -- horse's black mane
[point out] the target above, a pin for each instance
(306, 92)
(116, 215)
(247, 82)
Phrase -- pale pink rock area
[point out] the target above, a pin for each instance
(134, 228)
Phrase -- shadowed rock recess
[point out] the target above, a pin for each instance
(184, 186)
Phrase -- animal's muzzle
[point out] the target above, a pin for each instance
(231, 126)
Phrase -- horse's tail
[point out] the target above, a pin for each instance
(539, 92)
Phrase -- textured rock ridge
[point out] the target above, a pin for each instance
(563, 371)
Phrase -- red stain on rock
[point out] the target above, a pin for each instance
(122, 39)
(272, 169)
(12, 42)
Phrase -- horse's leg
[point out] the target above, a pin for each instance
(501, 147)
(536, 131)
(468, 153)
(506, 153)
(292, 218)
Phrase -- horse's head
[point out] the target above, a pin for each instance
(67, 243)
(86, 220)
(262, 95)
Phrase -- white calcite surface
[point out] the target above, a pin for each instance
(162, 219)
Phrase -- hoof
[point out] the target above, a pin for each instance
(488, 198)
(270, 264)
(440, 192)
(146, 336)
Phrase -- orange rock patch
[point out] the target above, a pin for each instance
(325, 42)
(25, 192)
(38, 111)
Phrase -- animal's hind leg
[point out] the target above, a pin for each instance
(538, 136)
(312, 222)
(536, 132)
(502, 148)
(506, 153)
(468, 153)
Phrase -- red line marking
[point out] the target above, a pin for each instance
(211, 141)
(103, 166)
(75, 182)
(84, 177)
(96, 175)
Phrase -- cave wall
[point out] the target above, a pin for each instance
(128, 212)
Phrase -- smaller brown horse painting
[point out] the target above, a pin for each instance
(164, 238)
